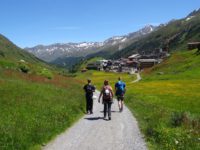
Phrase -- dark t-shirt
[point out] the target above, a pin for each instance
(89, 89)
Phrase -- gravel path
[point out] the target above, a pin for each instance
(93, 133)
(138, 78)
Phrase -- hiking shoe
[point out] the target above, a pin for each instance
(109, 118)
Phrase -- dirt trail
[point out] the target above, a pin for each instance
(93, 133)
(138, 78)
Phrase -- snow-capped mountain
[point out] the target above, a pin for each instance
(52, 52)
(192, 14)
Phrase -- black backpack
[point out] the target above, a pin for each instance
(89, 89)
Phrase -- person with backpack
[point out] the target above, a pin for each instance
(89, 89)
(120, 89)
(107, 99)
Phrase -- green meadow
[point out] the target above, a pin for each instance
(35, 108)
(37, 102)
(165, 102)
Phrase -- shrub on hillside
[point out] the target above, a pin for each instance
(2, 54)
(177, 118)
(46, 73)
(24, 68)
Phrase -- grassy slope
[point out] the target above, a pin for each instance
(166, 102)
(33, 108)
(36, 105)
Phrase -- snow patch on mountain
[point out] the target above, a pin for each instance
(54, 51)
(188, 18)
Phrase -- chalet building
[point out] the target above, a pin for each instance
(165, 49)
(146, 63)
(132, 63)
(83, 70)
(134, 57)
(194, 45)
(93, 66)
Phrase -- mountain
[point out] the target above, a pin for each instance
(62, 54)
(51, 52)
(10, 52)
(14, 59)
(173, 35)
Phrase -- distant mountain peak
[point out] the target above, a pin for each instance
(194, 13)
(51, 52)
(147, 29)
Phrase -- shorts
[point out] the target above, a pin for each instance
(120, 97)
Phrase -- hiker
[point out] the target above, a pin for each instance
(120, 89)
(89, 89)
(107, 98)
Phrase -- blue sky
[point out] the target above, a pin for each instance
(31, 22)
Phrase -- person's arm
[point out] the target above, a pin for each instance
(93, 90)
(124, 88)
(100, 95)
(111, 92)
(115, 87)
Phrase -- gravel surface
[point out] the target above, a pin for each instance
(93, 133)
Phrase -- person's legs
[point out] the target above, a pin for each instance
(122, 103)
(119, 103)
(109, 110)
(105, 109)
(91, 106)
(87, 104)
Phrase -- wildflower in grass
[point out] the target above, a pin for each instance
(176, 141)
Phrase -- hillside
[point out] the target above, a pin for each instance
(165, 102)
(37, 101)
(169, 93)
(175, 35)
(9, 51)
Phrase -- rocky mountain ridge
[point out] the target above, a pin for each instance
(52, 52)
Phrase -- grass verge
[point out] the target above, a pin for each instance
(33, 109)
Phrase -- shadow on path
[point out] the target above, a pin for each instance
(93, 118)
(113, 111)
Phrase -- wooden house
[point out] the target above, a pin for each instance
(146, 63)
(193, 45)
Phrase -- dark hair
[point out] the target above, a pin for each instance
(106, 82)
(89, 81)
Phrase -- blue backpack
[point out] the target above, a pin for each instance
(120, 88)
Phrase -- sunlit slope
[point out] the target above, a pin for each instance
(166, 102)
(10, 51)
(37, 101)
